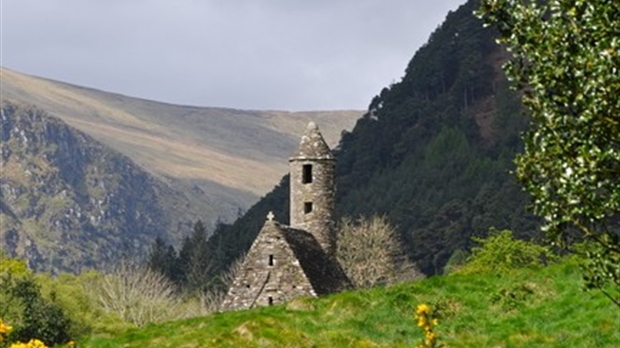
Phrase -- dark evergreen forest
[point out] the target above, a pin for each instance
(433, 153)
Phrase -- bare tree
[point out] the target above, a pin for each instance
(210, 300)
(370, 253)
(137, 295)
(229, 277)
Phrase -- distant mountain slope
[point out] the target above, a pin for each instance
(194, 163)
(242, 150)
(68, 202)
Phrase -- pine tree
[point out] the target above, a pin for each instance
(195, 259)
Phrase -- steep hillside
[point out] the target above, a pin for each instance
(68, 202)
(226, 148)
(433, 153)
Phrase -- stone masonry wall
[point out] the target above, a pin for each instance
(321, 193)
(270, 274)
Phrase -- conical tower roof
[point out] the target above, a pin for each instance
(312, 146)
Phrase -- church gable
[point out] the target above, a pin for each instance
(270, 274)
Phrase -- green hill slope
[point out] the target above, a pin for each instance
(525, 308)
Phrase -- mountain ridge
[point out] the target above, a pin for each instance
(183, 142)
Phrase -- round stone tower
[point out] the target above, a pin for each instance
(312, 194)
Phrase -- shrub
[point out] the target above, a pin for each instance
(5, 329)
(33, 343)
(74, 293)
(513, 296)
(11, 271)
(456, 261)
(33, 313)
(371, 254)
(137, 295)
(40, 318)
(500, 252)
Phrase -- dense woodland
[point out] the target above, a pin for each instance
(433, 153)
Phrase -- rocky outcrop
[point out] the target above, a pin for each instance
(67, 202)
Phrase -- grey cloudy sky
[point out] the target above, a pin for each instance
(260, 54)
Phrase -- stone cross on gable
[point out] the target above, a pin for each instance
(270, 216)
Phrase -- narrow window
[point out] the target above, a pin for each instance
(307, 207)
(270, 299)
(307, 174)
(270, 260)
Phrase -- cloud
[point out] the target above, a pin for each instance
(248, 54)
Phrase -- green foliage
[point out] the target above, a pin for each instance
(16, 268)
(512, 297)
(550, 312)
(195, 260)
(62, 306)
(456, 261)
(40, 318)
(193, 268)
(11, 271)
(77, 297)
(163, 258)
(598, 265)
(500, 253)
(566, 58)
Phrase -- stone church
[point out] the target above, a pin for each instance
(285, 262)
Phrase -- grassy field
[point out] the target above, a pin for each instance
(526, 308)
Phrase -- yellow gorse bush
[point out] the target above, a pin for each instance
(424, 319)
(33, 343)
(4, 329)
